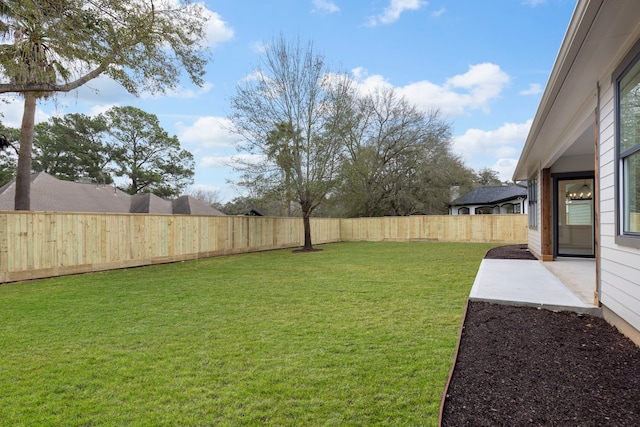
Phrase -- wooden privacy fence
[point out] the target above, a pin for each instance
(445, 228)
(47, 244)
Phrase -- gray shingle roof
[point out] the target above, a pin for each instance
(147, 202)
(54, 195)
(490, 195)
(187, 205)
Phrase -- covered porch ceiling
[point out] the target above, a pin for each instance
(564, 125)
(583, 145)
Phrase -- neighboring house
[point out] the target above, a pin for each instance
(582, 156)
(501, 199)
(253, 212)
(54, 195)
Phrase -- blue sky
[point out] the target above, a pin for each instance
(484, 64)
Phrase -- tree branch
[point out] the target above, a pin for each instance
(52, 87)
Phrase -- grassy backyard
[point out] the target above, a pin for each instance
(358, 334)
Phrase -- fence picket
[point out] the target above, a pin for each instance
(45, 244)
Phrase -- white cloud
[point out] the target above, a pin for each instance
(392, 12)
(438, 13)
(483, 81)
(205, 187)
(474, 89)
(208, 162)
(230, 161)
(534, 89)
(325, 6)
(368, 83)
(217, 30)
(505, 168)
(208, 131)
(501, 146)
(533, 3)
(180, 92)
(505, 141)
(12, 112)
(101, 109)
(254, 76)
(102, 90)
(259, 47)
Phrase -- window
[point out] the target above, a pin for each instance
(511, 208)
(484, 210)
(628, 151)
(463, 211)
(532, 197)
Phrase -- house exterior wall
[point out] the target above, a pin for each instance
(455, 210)
(498, 209)
(578, 108)
(619, 265)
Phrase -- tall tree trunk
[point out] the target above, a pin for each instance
(23, 176)
(307, 233)
(306, 213)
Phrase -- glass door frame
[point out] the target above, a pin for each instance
(557, 178)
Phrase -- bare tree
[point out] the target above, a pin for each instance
(398, 158)
(292, 114)
(210, 197)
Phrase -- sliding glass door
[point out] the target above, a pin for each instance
(574, 217)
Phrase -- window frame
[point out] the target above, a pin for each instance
(623, 238)
(515, 208)
(479, 210)
(532, 200)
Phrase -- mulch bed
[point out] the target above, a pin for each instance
(527, 366)
(510, 252)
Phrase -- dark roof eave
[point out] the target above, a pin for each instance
(490, 202)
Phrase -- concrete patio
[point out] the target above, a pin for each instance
(567, 284)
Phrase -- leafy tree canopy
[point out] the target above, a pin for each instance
(72, 147)
(488, 177)
(143, 153)
(49, 46)
(9, 154)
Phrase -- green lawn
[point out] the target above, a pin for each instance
(359, 334)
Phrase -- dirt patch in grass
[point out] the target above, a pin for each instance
(528, 366)
(306, 251)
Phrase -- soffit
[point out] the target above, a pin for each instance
(598, 33)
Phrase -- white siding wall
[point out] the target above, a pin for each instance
(502, 209)
(620, 265)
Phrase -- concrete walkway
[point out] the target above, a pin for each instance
(526, 283)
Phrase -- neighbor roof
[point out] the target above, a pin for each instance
(491, 195)
(51, 194)
(187, 205)
(148, 202)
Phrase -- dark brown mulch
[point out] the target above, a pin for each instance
(510, 252)
(525, 366)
